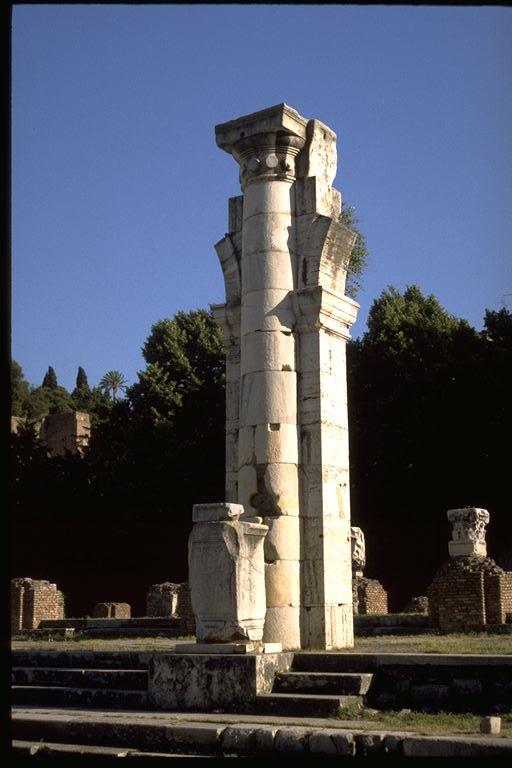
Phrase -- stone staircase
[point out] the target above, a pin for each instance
(310, 690)
(80, 679)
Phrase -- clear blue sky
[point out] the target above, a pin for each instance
(119, 191)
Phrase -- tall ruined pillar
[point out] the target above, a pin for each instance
(285, 324)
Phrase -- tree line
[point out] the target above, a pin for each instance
(429, 417)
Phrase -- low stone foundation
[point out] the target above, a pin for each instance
(369, 596)
(32, 601)
(468, 593)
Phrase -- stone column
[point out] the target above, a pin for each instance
(266, 146)
(287, 272)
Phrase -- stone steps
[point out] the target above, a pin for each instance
(58, 696)
(121, 679)
(74, 659)
(56, 749)
(341, 683)
(304, 704)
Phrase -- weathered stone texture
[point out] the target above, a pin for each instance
(60, 432)
(33, 601)
(111, 611)
(371, 595)
(226, 572)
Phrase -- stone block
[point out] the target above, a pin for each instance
(282, 624)
(269, 397)
(490, 725)
(273, 197)
(268, 351)
(226, 570)
(236, 739)
(327, 626)
(213, 513)
(269, 310)
(281, 483)
(264, 233)
(291, 740)
(282, 583)
(276, 443)
(203, 682)
(332, 742)
(282, 541)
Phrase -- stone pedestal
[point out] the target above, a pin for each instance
(226, 570)
(285, 324)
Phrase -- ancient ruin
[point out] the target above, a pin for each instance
(286, 322)
(61, 433)
(32, 601)
(112, 611)
(368, 595)
(469, 591)
(168, 600)
(227, 579)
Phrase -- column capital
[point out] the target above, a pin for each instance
(264, 143)
(317, 308)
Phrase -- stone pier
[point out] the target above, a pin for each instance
(285, 323)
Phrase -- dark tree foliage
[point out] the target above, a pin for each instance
(20, 390)
(81, 379)
(428, 417)
(50, 379)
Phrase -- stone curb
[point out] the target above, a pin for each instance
(251, 739)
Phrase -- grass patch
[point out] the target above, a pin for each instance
(440, 723)
(82, 642)
(474, 642)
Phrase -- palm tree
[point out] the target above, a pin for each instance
(112, 382)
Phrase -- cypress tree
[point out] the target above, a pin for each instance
(50, 379)
(81, 379)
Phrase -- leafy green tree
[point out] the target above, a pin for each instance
(426, 417)
(50, 379)
(20, 390)
(113, 382)
(359, 256)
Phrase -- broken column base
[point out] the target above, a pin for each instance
(209, 680)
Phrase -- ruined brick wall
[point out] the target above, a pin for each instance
(184, 610)
(469, 592)
(371, 595)
(162, 600)
(498, 596)
(112, 611)
(168, 600)
(417, 604)
(62, 432)
(32, 601)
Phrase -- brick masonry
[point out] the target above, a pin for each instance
(112, 611)
(32, 601)
(171, 600)
(469, 592)
(369, 595)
